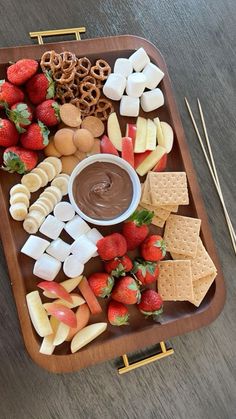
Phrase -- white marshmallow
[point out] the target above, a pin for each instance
(34, 247)
(136, 83)
(114, 86)
(152, 99)
(123, 66)
(153, 75)
(76, 227)
(47, 267)
(64, 211)
(59, 249)
(94, 235)
(52, 227)
(129, 106)
(83, 248)
(139, 59)
(72, 267)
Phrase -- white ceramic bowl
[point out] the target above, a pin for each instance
(119, 162)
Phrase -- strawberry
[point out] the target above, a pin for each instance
(117, 314)
(146, 272)
(20, 160)
(48, 112)
(135, 229)
(151, 303)
(101, 284)
(9, 94)
(112, 246)
(21, 114)
(126, 291)
(139, 157)
(40, 87)
(119, 266)
(36, 136)
(107, 146)
(153, 248)
(128, 150)
(161, 165)
(21, 71)
(8, 133)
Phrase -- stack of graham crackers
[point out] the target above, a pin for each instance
(162, 193)
(190, 274)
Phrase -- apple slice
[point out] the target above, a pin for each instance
(161, 165)
(86, 335)
(160, 136)
(128, 150)
(62, 313)
(82, 315)
(69, 285)
(151, 134)
(140, 140)
(107, 146)
(57, 289)
(139, 157)
(113, 130)
(89, 296)
(151, 160)
(77, 300)
(168, 135)
(38, 314)
(61, 334)
(47, 346)
(131, 130)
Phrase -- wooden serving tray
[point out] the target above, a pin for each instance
(178, 317)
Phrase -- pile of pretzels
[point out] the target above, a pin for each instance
(78, 82)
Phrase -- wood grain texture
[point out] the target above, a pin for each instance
(197, 39)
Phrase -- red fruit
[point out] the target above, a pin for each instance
(9, 94)
(20, 160)
(21, 114)
(119, 266)
(89, 296)
(126, 291)
(135, 229)
(22, 71)
(111, 246)
(139, 157)
(48, 112)
(131, 132)
(151, 303)
(36, 136)
(57, 289)
(117, 314)
(153, 248)
(8, 133)
(63, 314)
(101, 284)
(107, 146)
(161, 165)
(40, 87)
(146, 272)
(128, 150)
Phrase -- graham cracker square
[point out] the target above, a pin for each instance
(181, 235)
(175, 280)
(200, 288)
(168, 188)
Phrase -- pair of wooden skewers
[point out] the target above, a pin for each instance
(212, 167)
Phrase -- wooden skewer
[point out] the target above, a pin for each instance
(230, 227)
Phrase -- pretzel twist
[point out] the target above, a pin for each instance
(101, 70)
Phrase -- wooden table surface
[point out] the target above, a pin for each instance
(198, 41)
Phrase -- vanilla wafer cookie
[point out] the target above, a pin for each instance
(168, 188)
(201, 287)
(175, 280)
(181, 235)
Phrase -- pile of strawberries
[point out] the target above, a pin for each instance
(125, 279)
(21, 124)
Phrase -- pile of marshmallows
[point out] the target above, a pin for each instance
(145, 76)
(50, 256)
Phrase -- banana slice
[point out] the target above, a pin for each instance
(46, 202)
(65, 175)
(32, 181)
(55, 191)
(18, 211)
(19, 188)
(49, 169)
(61, 183)
(50, 196)
(37, 216)
(40, 207)
(42, 174)
(30, 225)
(19, 197)
(55, 162)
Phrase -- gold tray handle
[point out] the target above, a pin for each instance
(129, 367)
(56, 32)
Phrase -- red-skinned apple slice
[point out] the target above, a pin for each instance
(57, 289)
(82, 315)
(62, 313)
(139, 157)
(38, 314)
(47, 346)
(128, 150)
(151, 134)
(61, 334)
(89, 296)
(77, 300)
(68, 284)
(151, 160)
(131, 130)
(107, 146)
(113, 130)
(161, 165)
(140, 140)
(168, 135)
(86, 335)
